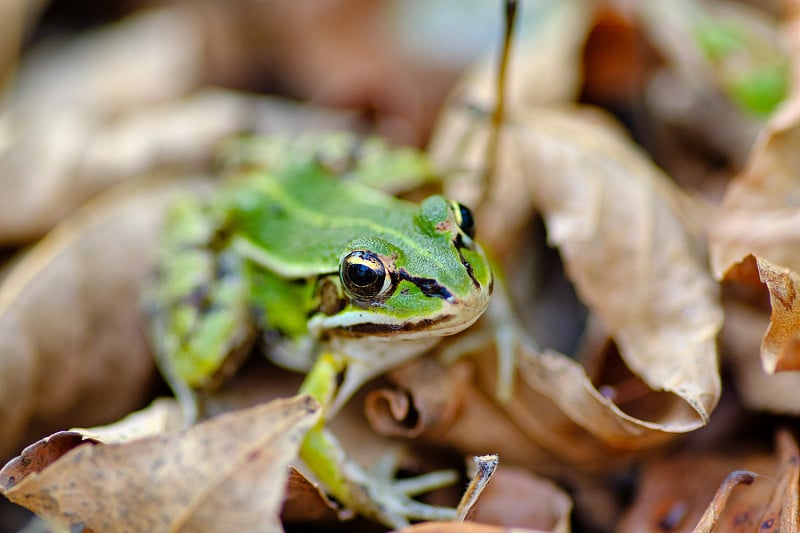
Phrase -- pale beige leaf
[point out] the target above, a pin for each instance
(551, 49)
(617, 222)
(759, 213)
(161, 416)
(74, 351)
(226, 474)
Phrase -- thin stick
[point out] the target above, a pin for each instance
(485, 465)
(498, 117)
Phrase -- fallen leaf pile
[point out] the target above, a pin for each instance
(637, 369)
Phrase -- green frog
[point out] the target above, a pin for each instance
(344, 280)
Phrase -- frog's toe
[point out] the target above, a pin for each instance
(391, 498)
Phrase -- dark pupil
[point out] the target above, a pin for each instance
(361, 275)
(467, 222)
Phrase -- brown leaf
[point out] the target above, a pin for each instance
(771, 510)
(710, 519)
(226, 474)
(464, 527)
(553, 52)
(780, 349)
(306, 503)
(741, 338)
(675, 493)
(73, 348)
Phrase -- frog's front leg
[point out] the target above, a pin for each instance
(375, 493)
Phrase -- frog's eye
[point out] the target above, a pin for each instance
(364, 276)
(464, 219)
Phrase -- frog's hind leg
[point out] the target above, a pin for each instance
(196, 304)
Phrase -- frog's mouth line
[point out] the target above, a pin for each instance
(364, 323)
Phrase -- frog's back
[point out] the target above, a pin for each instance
(297, 222)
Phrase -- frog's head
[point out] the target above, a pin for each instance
(427, 278)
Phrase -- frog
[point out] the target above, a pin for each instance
(305, 242)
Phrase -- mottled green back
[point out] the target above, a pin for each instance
(299, 222)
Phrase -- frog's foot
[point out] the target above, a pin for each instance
(378, 494)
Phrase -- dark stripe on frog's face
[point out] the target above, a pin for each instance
(458, 242)
(428, 286)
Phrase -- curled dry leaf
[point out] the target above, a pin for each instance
(226, 474)
(617, 222)
(780, 349)
(453, 405)
(444, 405)
(73, 348)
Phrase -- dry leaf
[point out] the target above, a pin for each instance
(764, 511)
(457, 413)
(306, 503)
(464, 527)
(618, 224)
(161, 416)
(73, 348)
(741, 339)
(226, 474)
(678, 494)
(759, 212)
(550, 50)
(674, 493)
(426, 401)
(517, 498)
(557, 427)
(780, 349)
(62, 97)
